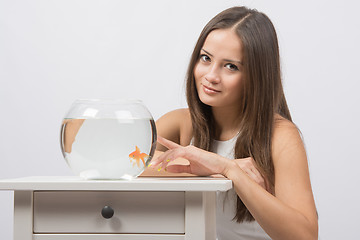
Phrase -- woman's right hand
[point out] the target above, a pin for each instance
(204, 163)
(248, 166)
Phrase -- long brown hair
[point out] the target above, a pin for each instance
(262, 92)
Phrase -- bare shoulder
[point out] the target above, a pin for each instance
(286, 136)
(290, 160)
(175, 114)
(175, 125)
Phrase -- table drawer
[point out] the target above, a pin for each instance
(134, 212)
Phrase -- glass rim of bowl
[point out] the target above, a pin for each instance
(107, 100)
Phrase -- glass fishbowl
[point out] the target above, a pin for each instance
(108, 138)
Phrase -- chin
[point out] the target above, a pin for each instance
(212, 102)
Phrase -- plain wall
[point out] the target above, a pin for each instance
(53, 52)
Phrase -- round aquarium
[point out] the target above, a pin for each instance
(108, 139)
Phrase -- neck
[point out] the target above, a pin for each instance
(226, 122)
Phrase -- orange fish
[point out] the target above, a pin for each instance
(137, 155)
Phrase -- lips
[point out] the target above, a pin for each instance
(209, 89)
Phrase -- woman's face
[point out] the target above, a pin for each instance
(219, 70)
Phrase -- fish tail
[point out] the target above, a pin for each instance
(143, 155)
(143, 161)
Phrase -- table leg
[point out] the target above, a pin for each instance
(200, 216)
(23, 215)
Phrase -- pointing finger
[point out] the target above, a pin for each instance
(167, 143)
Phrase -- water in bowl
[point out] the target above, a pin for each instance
(108, 148)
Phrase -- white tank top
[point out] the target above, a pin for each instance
(226, 227)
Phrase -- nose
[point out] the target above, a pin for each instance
(213, 76)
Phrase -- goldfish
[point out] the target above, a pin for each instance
(137, 156)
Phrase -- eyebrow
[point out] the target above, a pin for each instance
(226, 60)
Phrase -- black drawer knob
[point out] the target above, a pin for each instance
(107, 212)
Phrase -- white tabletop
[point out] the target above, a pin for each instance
(63, 183)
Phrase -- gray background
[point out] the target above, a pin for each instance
(53, 52)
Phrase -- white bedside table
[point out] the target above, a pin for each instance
(69, 208)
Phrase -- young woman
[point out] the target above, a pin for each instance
(238, 125)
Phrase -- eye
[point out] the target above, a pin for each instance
(231, 67)
(205, 58)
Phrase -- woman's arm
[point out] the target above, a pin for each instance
(72, 128)
(175, 126)
(291, 213)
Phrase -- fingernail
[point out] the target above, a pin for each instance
(159, 169)
(168, 160)
(149, 164)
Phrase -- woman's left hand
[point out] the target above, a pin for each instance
(201, 162)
